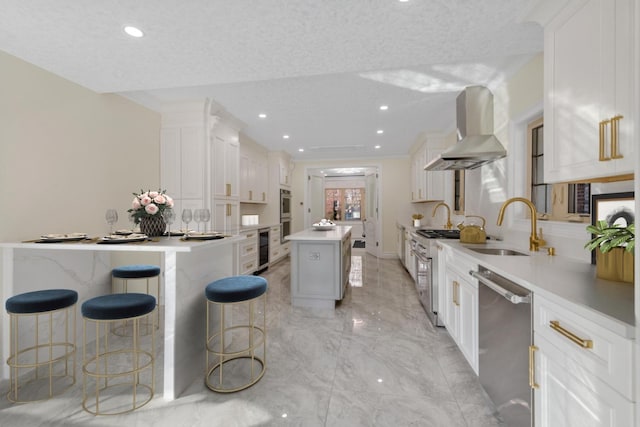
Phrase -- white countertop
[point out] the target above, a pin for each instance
(564, 280)
(337, 233)
(159, 244)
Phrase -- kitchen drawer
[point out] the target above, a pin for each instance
(248, 248)
(248, 266)
(594, 349)
(275, 253)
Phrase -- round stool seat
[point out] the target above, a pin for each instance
(118, 306)
(41, 301)
(136, 271)
(236, 289)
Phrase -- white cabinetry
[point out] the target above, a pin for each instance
(226, 215)
(427, 186)
(409, 257)
(225, 161)
(285, 172)
(277, 249)
(460, 305)
(589, 79)
(582, 371)
(248, 252)
(254, 176)
(182, 160)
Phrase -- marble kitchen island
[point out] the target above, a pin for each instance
(187, 267)
(320, 265)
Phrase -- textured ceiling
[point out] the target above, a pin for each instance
(318, 69)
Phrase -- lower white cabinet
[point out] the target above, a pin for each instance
(226, 215)
(248, 252)
(582, 371)
(277, 249)
(461, 313)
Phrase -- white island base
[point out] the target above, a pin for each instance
(320, 264)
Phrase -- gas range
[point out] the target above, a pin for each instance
(439, 234)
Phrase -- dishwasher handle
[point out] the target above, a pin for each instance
(508, 295)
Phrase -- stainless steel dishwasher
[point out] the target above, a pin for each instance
(504, 337)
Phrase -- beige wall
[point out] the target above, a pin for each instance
(67, 153)
(395, 190)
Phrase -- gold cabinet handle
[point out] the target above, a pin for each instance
(419, 193)
(249, 236)
(250, 194)
(614, 137)
(228, 187)
(555, 325)
(249, 249)
(455, 293)
(603, 126)
(228, 209)
(532, 367)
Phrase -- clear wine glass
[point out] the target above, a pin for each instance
(197, 217)
(187, 216)
(132, 220)
(168, 215)
(205, 216)
(112, 217)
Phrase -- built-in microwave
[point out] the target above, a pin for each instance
(285, 204)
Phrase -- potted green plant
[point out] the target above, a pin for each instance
(614, 246)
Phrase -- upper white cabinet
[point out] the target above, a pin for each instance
(589, 80)
(285, 172)
(427, 185)
(254, 175)
(225, 159)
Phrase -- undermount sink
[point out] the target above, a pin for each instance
(498, 251)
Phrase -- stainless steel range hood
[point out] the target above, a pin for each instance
(476, 145)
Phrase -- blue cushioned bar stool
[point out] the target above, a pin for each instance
(42, 350)
(236, 342)
(118, 373)
(127, 278)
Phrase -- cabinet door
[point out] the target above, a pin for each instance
(225, 215)
(246, 186)
(468, 321)
(451, 304)
(564, 400)
(435, 179)
(192, 164)
(225, 162)
(587, 82)
(170, 164)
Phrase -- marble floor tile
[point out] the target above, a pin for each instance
(373, 361)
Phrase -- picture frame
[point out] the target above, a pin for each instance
(615, 208)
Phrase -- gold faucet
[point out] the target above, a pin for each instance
(535, 241)
(448, 225)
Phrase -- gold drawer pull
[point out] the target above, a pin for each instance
(603, 125)
(455, 293)
(555, 325)
(614, 137)
(250, 194)
(532, 367)
(250, 249)
(228, 189)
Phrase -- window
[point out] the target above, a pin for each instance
(559, 202)
(344, 204)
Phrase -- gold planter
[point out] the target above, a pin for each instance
(616, 265)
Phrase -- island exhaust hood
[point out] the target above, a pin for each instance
(476, 143)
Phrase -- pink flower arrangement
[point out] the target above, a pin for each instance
(149, 203)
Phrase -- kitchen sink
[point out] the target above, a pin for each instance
(498, 251)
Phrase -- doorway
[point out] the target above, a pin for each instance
(348, 196)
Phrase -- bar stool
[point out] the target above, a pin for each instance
(232, 347)
(55, 353)
(120, 278)
(117, 362)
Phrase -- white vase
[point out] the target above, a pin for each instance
(416, 223)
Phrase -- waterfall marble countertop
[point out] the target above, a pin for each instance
(566, 281)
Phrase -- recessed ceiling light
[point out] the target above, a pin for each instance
(377, 147)
(133, 31)
(403, 1)
(379, 131)
(262, 115)
(285, 136)
(301, 149)
(384, 107)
